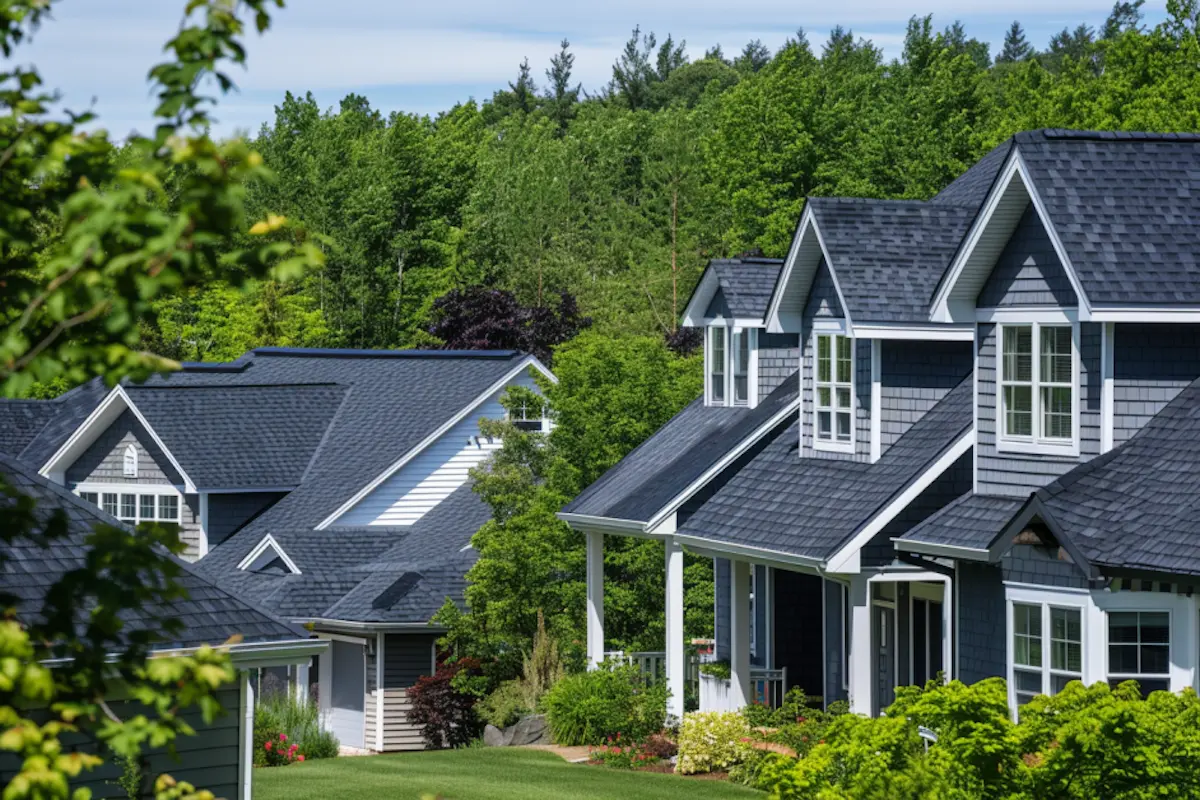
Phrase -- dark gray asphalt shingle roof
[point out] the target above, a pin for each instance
(971, 520)
(747, 284)
(674, 457)
(810, 506)
(244, 437)
(1126, 207)
(210, 615)
(888, 255)
(972, 187)
(60, 417)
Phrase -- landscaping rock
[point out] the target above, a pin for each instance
(529, 730)
(496, 737)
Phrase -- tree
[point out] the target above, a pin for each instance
(633, 72)
(671, 57)
(1125, 16)
(524, 91)
(754, 56)
(561, 96)
(1016, 46)
(89, 249)
(478, 318)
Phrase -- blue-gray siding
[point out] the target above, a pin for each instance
(407, 656)
(981, 622)
(1028, 271)
(778, 359)
(1025, 563)
(1151, 364)
(952, 483)
(835, 646)
(227, 513)
(718, 306)
(862, 402)
(915, 376)
(1017, 474)
(103, 461)
(822, 297)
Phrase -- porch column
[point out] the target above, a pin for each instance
(302, 682)
(676, 659)
(739, 634)
(861, 658)
(595, 598)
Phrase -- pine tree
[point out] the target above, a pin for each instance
(715, 53)
(561, 96)
(524, 91)
(632, 72)
(1016, 46)
(1125, 16)
(754, 57)
(670, 58)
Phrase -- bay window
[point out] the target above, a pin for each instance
(1139, 648)
(834, 391)
(730, 375)
(135, 508)
(1047, 649)
(1037, 385)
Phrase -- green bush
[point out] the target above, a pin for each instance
(589, 707)
(280, 713)
(540, 670)
(504, 706)
(713, 741)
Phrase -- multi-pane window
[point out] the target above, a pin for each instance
(834, 389)
(716, 365)
(168, 507)
(91, 497)
(741, 367)
(1047, 649)
(136, 507)
(129, 462)
(147, 502)
(128, 507)
(110, 503)
(1139, 648)
(1037, 393)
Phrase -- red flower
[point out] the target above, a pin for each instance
(300, 757)
(267, 746)
(283, 737)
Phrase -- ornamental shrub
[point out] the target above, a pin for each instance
(443, 704)
(504, 706)
(712, 741)
(623, 754)
(589, 707)
(281, 712)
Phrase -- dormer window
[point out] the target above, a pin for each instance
(1037, 380)
(730, 375)
(129, 462)
(834, 392)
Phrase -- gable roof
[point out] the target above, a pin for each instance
(677, 455)
(747, 283)
(810, 507)
(888, 255)
(970, 522)
(58, 418)
(972, 187)
(210, 615)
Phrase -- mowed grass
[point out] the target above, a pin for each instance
(478, 774)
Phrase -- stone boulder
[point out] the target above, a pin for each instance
(531, 729)
(497, 737)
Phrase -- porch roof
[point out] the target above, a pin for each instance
(972, 521)
(810, 507)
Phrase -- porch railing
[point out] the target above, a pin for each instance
(653, 665)
(767, 687)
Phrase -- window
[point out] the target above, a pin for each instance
(129, 462)
(90, 497)
(147, 502)
(834, 390)
(128, 507)
(1139, 648)
(1038, 669)
(110, 503)
(168, 507)
(716, 365)
(1038, 394)
(741, 367)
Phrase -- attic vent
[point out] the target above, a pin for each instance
(396, 592)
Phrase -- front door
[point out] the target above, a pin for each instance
(347, 692)
(884, 630)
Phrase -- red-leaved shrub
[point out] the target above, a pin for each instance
(444, 711)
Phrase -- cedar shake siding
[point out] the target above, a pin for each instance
(914, 376)
(981, 621)
(103, 461)
(1151, 365)
(778, 357)
(1028, 271)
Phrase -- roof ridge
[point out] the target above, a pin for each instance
(322, 352)
(228, 386)
(1109, 136)
(325, 434)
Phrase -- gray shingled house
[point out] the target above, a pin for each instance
(328, 486)
(219, 757)
(982, 458)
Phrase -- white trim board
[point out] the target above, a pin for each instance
(846, 559)
(90, 430)
(775, 321)
(525, 363)
(260, 549)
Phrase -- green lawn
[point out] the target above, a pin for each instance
(478, 774)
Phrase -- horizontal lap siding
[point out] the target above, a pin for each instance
(1018, 474)
(914, 376)
(433, 475)
(208, 760)
(1151, 365)
(371, 701)
(406, 658)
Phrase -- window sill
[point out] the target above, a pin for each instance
(833, 447)
(1062, 449)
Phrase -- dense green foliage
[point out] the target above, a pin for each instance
(607, 702)
(281, 712)
(88, 244)
(712, 741)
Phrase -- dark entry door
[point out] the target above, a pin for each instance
(884, 619)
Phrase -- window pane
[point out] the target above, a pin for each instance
(741, 363)
(1056, 412)
(1122, 627)
(1059, 682)
(110, 504)
(1027, 685)
(128, 506)
(147, 506)
(845, 360)
(824, 428)
(1027, 619)
(716, 365)
(91, 497)
(843, 420)
(1018, 353)
(1018, 411)
(741, 389)
(1123, 659)
(823, 397)
(1155, 626)
(1064, 624)
(1056, 355)
(824, 368)
(843, 398)
(1156, 659)
(168, 507)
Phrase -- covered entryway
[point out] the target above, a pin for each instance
(343, 690)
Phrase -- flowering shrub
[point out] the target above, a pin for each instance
(279, 752)
(713, 741)
(622, 755)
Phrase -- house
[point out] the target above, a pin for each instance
(330, 487)
(220, 756)
(987, 464)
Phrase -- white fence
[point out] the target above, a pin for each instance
(767, 687)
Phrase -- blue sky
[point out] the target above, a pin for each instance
(424, 57)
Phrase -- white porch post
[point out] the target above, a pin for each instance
(302, 682)
(595, 598)
(860, 646)
(676, 661)
(246, 731)
(739, 634)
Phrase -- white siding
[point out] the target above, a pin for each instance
(433, 475)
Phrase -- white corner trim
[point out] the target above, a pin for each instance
(1107, 343)
(100, 416)
(706, 289)
(1181, 314)
(202, 548)
(525, 363)
(268, 541)
(785, 274)
(846, 558)
(728, 458)
(379, 704)
(876, 399)
(246, 737)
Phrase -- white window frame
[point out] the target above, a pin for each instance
(138, 490)
(129, 461)
(1047, 670)
(1167, 676)
(832, 445)
(1036, 443)
(729, 331)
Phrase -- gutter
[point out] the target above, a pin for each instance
(588, 522)
(350, 625)
(247, 655)
(744, 551)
